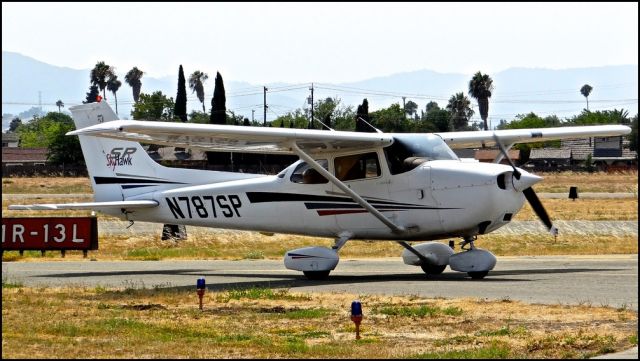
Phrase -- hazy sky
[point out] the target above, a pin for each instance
(322, 42)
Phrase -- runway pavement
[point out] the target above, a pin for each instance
(595, 280)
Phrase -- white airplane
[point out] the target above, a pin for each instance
(346, 185)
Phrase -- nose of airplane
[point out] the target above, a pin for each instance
(525, 181)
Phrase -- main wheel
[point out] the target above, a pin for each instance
(433, 269)
(316, 275)
(478, 275)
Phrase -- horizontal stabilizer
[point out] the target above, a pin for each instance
(87, 205)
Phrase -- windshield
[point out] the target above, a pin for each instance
(409, 150)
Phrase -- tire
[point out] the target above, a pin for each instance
(316, 275)
(433, 269)
(477, 275)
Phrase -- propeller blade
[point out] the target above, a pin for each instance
(516, 173)
(537, 206)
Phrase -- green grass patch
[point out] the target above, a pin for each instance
(418, 311)
(307, 313)
(494, 351)
(504, 331)
(259, 293)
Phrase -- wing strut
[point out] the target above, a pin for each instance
(395, 228)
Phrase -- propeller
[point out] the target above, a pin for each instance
(528, 192)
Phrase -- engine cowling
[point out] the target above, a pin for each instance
(473, 260)
(437, 253)
(311, 259)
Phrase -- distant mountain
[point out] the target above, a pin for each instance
(517, 90)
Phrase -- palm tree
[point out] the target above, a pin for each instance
(133, 79)
(196, 81)
(59, 104)
(113, 84)
(585, 91)
(99, 75)
(480, 87)
(460, 108)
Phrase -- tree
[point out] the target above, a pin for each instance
(585, 91)
(198, 117)
(600, 117)
(15, 123)
(133, 79)
(92, 95)
(391, 119)
(480, 88)
(113, 84)
(295, 119)
(432, 106)
(99, 75)
(153, 107)
(50, 132)
(363, 114)
(218, 102)
(59, 104)
(436, 120)
(411, 107)
(180, 109)
(218, 116)
(196, 81)
(460, 108)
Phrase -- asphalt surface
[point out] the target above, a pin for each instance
(595, 280)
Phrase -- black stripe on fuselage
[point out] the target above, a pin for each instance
(312, 201)
(120, 180)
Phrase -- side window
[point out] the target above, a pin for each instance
(304, 174)
(358, 166)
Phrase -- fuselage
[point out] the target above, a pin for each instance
(431, 195)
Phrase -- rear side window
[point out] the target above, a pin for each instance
(357, 166)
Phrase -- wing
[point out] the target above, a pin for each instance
(88, 205)
(235, 138)
(477, 138)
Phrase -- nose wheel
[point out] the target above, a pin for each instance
(474, 261)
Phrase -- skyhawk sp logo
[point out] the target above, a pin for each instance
(120, 157)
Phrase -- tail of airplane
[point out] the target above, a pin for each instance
(120, 169)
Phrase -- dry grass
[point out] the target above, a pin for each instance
(624, 182)
(166, 323)
(47, 185)
(606, 209)
(233, 245)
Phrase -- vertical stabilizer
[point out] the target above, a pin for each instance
(113, 165)
(120, 169)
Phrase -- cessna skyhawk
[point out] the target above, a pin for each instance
(346, 185)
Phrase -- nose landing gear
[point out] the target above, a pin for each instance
(474, 261)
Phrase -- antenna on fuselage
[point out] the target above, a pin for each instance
(371, 126)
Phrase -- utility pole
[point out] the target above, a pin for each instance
(265, 107)
(311, 127)
(253, 111)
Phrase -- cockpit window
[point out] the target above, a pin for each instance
(410, 150)
(357, 166)
(304, 174)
